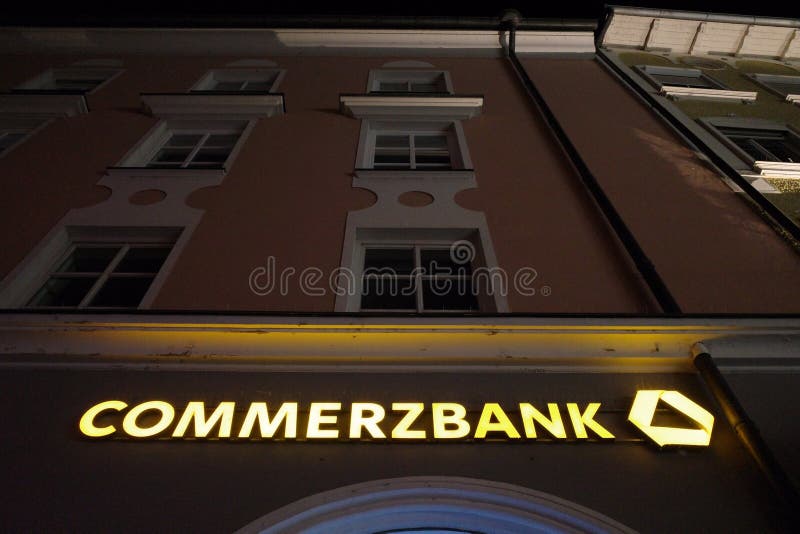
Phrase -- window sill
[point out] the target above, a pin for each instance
(794, 99)
(216, 105)
(376, 106)
(410, 173)
(778, 169)
(707, 94)
(149, 172)
(48, 104)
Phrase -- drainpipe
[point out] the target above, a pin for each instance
(658, 288)
(747, 432)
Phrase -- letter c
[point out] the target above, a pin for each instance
(87, 425)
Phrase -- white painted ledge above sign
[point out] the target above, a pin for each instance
(228, 106)
(393, 107)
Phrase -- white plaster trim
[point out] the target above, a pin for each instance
(376, 344)
(44, 105)
(708, 94)
(411, 107)
(244, 106)
(411, 503)
(794, 99)
(553, 42)
(370, 174)
(778, 169)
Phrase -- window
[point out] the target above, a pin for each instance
(765, 145)
(415, 278)
(14, 130)
(409, 81)
(188, 144)
(69, 80)
(675, 77)
(240, 81)
(97, 274)
(413, 146)
(782, 85)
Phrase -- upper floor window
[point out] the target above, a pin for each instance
(678, 77)
(765, 144)
(104, 273)
(69, 80)
(14, 130)
(786, 86)
(392, 145)
(409, 81)
(415, 277)
(188, 144)
(240, 81)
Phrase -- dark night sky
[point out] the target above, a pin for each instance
(153, 12)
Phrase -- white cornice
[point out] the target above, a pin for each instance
(281, 42)
(708, 94)
(244, 106)
(45, 105)
(411, 107)
(339, 344)
(778, 169)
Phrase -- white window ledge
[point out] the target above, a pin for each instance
(794, 99)
(406, 173)
(149, 172)
(778, 169)
(49, 105)
(244, 106)
(708, 94)
(379, 106)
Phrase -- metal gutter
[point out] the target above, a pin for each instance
(656, 284)
(747, 432)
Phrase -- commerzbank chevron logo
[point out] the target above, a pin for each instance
(394, 421)
(644, 409)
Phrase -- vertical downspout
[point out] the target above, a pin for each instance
(645, 267)
(747, 432)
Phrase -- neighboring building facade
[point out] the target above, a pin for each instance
(258, 278)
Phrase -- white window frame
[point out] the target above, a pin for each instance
(718, 92)
(765, 79)
(206, 83)
(30, 276)
(41, 82)
(456, 141)
(376, 76)
(20, 124)
(144, 151)
(419, 277)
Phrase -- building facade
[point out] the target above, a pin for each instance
(384, 276)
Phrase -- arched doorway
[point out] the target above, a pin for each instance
(432, 504)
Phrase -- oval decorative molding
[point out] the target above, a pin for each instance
(145, 197)
(415, 199)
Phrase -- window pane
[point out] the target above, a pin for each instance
(399, 260)
(63, 291)
(221, 140)
(432, 160)
(786, 87)
(425, 88)
(391, 141)
(430, 141)
(393, 86)
(392, 159)
(782, 149)
(441, 261)
(264, 86)
(211, 155)
(683, 81)
(228, 86)
(122, 292)
(143, 260)
(171, 155)
(184, 140)
(88, 259)
(388, 293)
(8, 139)
(448, 294)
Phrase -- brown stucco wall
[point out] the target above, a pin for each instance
(713, 251)
(288, 193)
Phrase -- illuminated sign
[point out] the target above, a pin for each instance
(401, 421)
